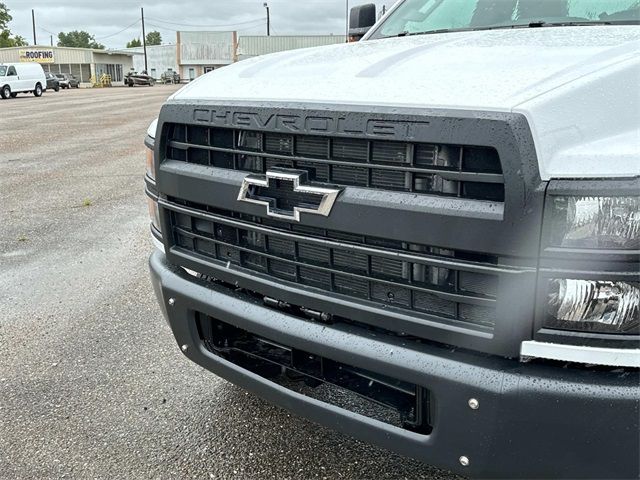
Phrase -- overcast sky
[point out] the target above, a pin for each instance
(115, 22)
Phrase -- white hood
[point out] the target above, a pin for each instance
(577, 86)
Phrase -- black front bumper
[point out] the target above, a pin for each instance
(533, 421)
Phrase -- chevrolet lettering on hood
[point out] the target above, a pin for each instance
(312, 124)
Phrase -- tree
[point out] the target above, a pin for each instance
(154, 38)
(5, 18)
(134, 43)
(6, 39)
(78, 39)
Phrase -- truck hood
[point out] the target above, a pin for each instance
(577, 86)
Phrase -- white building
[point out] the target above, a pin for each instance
(193, 54)
(196, 53)
(202, 52)
(83, 63)
(160, 58)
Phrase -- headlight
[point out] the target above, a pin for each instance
(594, 306)
(595, 222)
(151, 135)
(151, 167)
(151, 189)
(154, 214)
(588, 291)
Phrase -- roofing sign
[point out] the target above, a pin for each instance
(37, 55)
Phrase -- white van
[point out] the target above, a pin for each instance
(21, 78)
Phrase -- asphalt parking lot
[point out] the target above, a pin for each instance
(92, 384)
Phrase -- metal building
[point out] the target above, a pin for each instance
(202, 52)
(83, 63)
(160, 58)
(199, 52)
(253, 46)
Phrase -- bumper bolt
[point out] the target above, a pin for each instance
(474, 404)
(464, 461)
(172, 302)
(184, 348)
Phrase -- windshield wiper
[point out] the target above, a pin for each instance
(536, 24)
(428, 32)
(542, 23)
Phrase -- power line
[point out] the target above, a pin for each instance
(207, 26)
(45, 30)
(257, 23)
(159, 27)
(246, 29)
(97, 38)
(119, 32)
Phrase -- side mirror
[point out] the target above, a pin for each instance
(361, 19)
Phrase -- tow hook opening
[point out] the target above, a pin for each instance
(389, 400)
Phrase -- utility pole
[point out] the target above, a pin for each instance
(33, 22)
(346, 33)
(51, 40)
(144, 43)
(266, 5)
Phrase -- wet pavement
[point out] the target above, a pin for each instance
(92, 384)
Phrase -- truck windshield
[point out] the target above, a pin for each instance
(3, 71)
(415, 17)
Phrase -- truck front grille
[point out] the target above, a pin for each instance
(434, 234)
(454, 286)
(472, 172)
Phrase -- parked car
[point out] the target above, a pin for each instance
(52, 82)
(427, 239)
(21, 78)
(170, 76)
(67, 80)
(134, 78)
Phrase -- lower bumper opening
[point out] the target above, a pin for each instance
(382, 398)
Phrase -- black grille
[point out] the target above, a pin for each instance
(426, 280)
(472, 172)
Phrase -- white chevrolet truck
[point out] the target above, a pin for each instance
(428, 239)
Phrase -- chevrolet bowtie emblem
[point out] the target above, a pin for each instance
(286, 194)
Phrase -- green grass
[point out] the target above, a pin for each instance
(87, 202)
